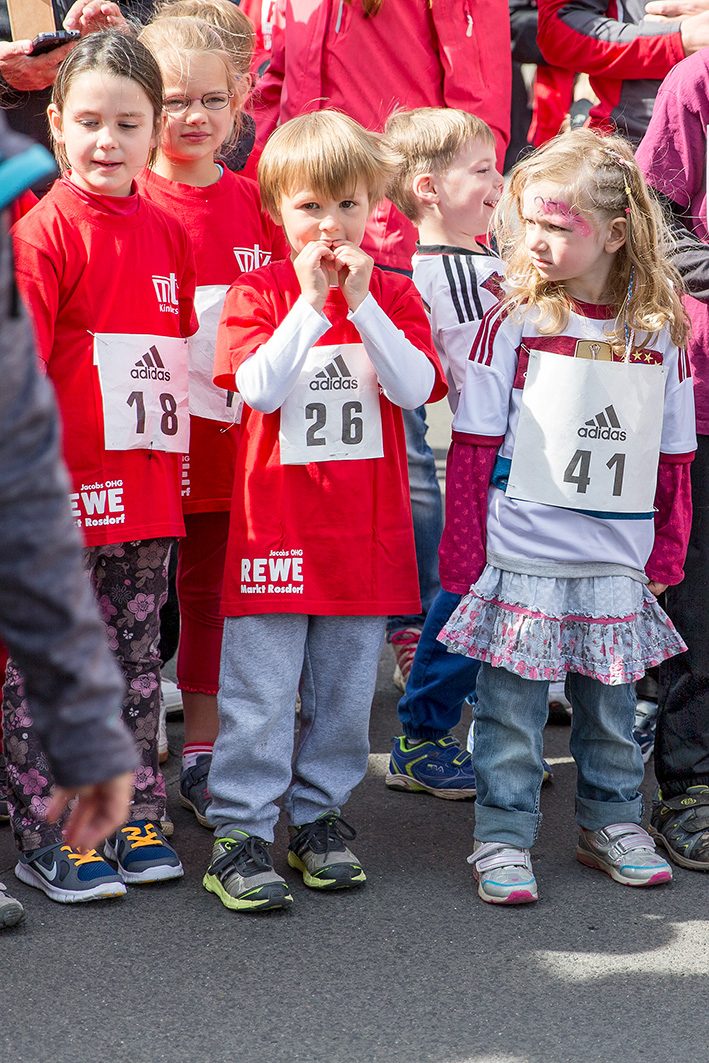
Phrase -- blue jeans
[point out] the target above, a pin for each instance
(427, 511)
(440, 680)
(509, 719)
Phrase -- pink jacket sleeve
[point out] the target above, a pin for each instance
(673, 519)
(468, 474)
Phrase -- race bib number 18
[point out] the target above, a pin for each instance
(144, 391)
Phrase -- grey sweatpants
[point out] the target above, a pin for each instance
(263, 660)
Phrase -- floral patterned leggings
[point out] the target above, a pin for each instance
(130, 583)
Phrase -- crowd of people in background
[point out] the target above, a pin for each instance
(281, 228)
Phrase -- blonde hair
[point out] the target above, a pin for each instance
(327, 151)
(599, 179)
(428, 139)
(234, 27)
(172, 40)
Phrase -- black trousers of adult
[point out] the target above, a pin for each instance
(682, 741)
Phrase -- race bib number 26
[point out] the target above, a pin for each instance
(144, 391)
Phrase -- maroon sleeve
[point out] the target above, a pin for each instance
(673, 519)
(462, 550)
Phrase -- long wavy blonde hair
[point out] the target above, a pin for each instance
(600, 180)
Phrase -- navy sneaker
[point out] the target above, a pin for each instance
(644, 727)
(67, 875)
(442, 768)
(193, 788)
(143, 854)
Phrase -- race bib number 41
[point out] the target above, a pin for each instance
(589, 434)
(144, 391)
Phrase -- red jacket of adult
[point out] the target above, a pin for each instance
(413, 53)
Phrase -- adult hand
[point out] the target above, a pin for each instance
(312, 267)
(89, 16)
(674, 10)
(354, 271)
(100, 810)
(26, 72)
(695, 32)
(656, 588)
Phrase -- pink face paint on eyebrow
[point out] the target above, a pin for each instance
(559, 213)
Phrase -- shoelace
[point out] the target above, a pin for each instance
(326, 834)
(492, 855)
(80, 859)
(249, 856)
(138, 836)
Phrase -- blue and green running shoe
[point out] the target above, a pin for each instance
(442, 768)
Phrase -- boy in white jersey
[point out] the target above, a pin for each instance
(448, 187)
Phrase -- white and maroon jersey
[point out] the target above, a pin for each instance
(231, 235)
(490, 407)
(330, 537)
(458, 286)
(87, 265)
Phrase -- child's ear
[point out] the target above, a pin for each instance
(276, 217)
(617, 235)
(243, 88)
(160, 126)
(55, 123)
(423, 187)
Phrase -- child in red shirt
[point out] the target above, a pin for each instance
(206, 76)
(109, 281)
(324, 349)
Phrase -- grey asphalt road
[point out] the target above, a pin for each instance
(413, 968)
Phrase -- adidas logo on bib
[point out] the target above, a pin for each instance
(150, 367)
(334, 377)
(605, 425)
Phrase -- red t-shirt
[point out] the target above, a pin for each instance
(231, 235)
(86, 265)
(331, 537)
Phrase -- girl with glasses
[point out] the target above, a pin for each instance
(205, 71)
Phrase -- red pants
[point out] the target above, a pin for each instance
(200, 573)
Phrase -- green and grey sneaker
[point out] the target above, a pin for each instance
(242, 876)
(681, 826)
(318, 850)
(626, 852)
